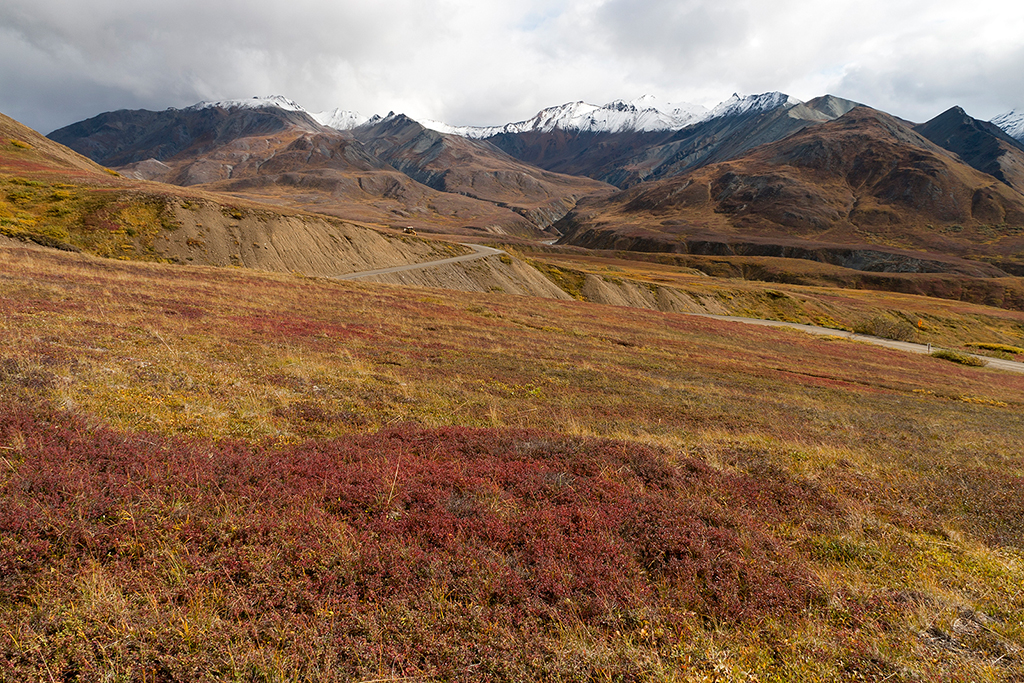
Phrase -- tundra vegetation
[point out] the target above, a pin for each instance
(218, 474)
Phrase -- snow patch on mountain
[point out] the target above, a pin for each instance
(736, 105)
(1012, 123)
(278, 101)
(643, 114)
(339, 119)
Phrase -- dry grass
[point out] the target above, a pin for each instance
(180, 445)
(924, 319)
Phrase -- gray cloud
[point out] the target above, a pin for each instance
(491, 62)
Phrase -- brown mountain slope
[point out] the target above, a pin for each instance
(23, 149)
(476, 169)
(865, 180)
(329, 172)
(55, 197)
(285, 157)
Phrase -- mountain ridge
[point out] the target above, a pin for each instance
(981, 144)
(775, 169)
(864, 178)
(272, 149)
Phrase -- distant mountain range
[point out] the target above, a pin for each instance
(644, 114)
(768, 170)
(389, 170)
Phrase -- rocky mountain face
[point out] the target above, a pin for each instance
(628, 158)
(126, 136)
(864, 179)
(1011, 123)
(981, 144)
(476, 169)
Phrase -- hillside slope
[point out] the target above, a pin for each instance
(26, 150)
(864, 180)
(53, 196)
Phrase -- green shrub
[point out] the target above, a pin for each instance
(957, 357)
(886, 327)
(1006, 348)
(25, 182)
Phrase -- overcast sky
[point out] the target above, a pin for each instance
(483, 62)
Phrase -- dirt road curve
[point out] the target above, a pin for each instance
(479, 251)
(999, 363)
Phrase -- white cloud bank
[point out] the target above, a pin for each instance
(489, 62)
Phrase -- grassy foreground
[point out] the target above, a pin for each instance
(212, 474)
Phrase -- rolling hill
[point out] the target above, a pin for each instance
(865, 181)
(52, 196)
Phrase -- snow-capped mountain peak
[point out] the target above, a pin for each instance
(641, 114)
(339, 119)
(737, 105)
(1012, 123)
(278, 101)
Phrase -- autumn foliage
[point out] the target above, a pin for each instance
(317, 546)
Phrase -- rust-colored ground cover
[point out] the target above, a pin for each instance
(213, 474)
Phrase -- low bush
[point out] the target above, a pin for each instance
(886, 327)
(1004, 348)
(961, 358)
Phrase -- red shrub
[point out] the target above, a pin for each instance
(527, 527)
